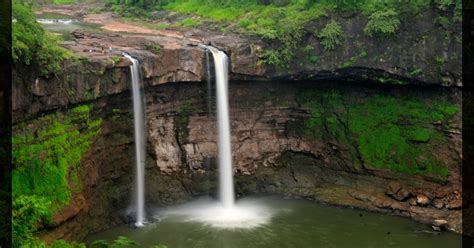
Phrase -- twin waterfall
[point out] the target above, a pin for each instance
(226, 183)
(138, 121)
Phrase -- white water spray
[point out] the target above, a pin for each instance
(226, 182)
(139, 140)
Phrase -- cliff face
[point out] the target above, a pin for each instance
(424, 51)
(276, 150)
(381, 140)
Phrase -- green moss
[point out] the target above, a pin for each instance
(389, 80)
(418, 134)
(388, 132)
(440, 60)
(313, 59)
(183, 114)
(362, 54)
(46, 158)
(415, 72)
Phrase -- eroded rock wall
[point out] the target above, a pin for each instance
(285, 142)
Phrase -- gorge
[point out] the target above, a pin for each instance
(365, 131)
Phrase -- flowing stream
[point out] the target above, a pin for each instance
(138, 121)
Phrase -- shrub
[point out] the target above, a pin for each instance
(331, 35)
(382, 23)
(31, 44)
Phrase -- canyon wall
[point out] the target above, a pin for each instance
(296, 139)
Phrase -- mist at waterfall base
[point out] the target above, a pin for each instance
(294, 223)
(138, 123)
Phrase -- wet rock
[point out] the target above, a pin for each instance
(439, 224)
(402, 195)
(436, 228)
(77, 204)
(454, 204)
(438, 203)
(393, 188)
(422, 200)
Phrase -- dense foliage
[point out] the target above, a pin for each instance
(382, 23)
(283, 22)
(46, 172)
(32, 45)
(331, 35)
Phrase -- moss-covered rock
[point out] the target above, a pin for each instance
(388, 132)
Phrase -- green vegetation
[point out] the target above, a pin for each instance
(382, 23)
(120, 242)
(184, 112)
(313, 59)
(154, 48)
(59, 2)
(440, 60)
(415, 72)
(283, 26)
(331, 35)
(282, 23)
(389, 132)
(189, 23)
(46, 168)
(362, 54)
(32, 45)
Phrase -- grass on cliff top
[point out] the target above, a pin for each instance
(283, 22)
(388, 132)
(46, 155)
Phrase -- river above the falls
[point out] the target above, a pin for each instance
(287, 223)
(63, 25)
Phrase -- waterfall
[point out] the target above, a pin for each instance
(226, 181)
(138, 121)
(209, 87)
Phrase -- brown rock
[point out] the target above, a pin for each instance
(77, 203)
(438, 203)
(422, 200)
(436, 228)
(454, 204)
(412, 201)
(393, 188)
(440, 222)
(402, 195)
(123, 62)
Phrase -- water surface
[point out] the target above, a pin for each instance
(63, 24)
(293, 223)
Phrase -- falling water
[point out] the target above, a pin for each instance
(209, 87)
(139, 141)
(226, 183)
